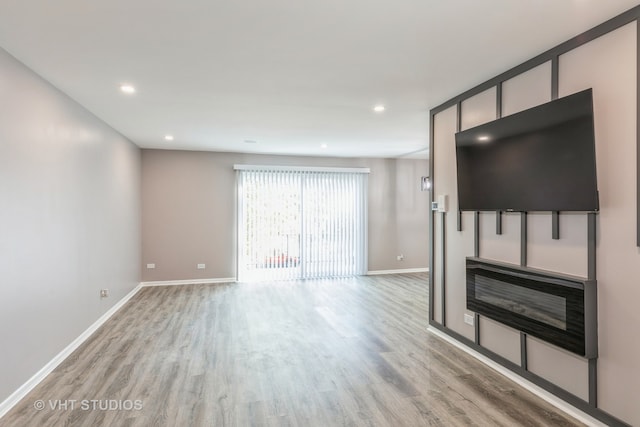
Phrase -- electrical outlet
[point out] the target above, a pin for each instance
(201, 266)
(468, 319)
(400, 257)
(104, 293)
(151, 266)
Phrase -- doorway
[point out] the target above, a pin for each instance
(299, 223)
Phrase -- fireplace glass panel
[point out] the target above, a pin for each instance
(543, 307)
(542, 304)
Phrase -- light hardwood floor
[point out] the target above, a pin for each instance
(344, 352)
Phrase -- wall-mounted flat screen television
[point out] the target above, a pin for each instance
(541, 159)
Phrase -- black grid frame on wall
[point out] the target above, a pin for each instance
(589, 406)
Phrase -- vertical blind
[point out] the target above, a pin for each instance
(301, 223)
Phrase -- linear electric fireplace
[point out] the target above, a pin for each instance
(556, 308)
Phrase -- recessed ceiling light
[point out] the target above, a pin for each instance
(250, 141)
(378, 108)
(323, 146)
(126, 88)
(168, 137)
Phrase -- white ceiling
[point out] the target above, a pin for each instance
(288, 74)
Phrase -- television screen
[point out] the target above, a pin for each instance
(541, 159)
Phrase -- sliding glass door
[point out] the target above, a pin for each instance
(301, 223)
(270, 224)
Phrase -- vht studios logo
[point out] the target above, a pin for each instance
(88, 405)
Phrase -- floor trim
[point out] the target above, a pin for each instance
(188, 282)
(32, 382)
(538, 391)
(401, 271)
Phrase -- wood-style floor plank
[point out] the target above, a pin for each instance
(343, 352)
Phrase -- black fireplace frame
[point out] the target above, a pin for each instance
(580, 335)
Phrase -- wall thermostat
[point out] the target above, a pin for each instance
(442, 203)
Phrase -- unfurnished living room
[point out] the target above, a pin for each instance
(296, 213)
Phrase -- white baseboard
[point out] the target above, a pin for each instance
(21, 392)
(401, 271)
(533, 388)
(188, 282)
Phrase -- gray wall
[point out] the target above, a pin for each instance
(188, 211)
(608, 65)
(69, 221)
